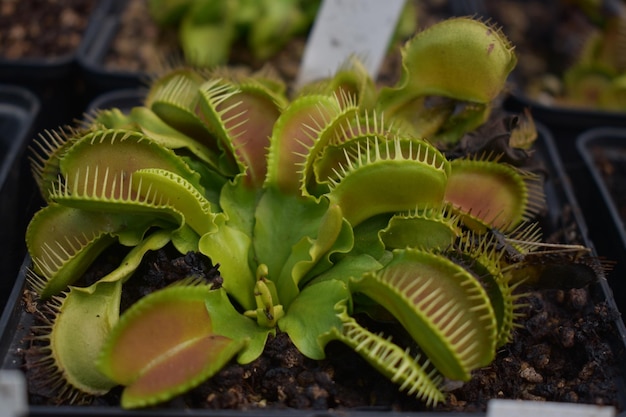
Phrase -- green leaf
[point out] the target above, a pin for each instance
(230, 248)
(327, 248)
(366, 236)
(112, 119)
(227, 321)
(83, 323)
(315, 301)
(194, 38)
(133, 258)
(282, 222)
(84, 169)
(278, 22)
(63, 242)
(185, 239)
(239, 204)
(426, 229)
(168, 12)
(349, 267)
(334, 235)
(178, 193)
(400, 175)
(175, 99)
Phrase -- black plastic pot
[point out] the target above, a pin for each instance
(14, 323)
(55, 79)
(565, 123)
(124, 99)
(18, 111)
(91, 57)
(604, 152)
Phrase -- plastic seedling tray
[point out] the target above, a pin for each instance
(91, 55)
(604, 153)
(18, 111)
(54, 79)
(566, 124)
(123, 99)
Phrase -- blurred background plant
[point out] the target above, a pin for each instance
(571, 51)
(207, 30)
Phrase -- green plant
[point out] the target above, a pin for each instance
(597, 76)
(261, 27)
(207, 29)
(315, 208)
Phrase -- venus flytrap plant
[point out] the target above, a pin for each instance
(315, 209)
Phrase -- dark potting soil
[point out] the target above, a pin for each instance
(560, 352)
(42, 28)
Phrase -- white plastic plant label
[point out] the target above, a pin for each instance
(13, 402)
(513, 408)
(345, 28)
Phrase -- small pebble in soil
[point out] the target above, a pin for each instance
(529, 374)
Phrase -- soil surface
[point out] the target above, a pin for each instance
(564, 350)
(42, 28)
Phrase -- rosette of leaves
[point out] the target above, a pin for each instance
(316, 208)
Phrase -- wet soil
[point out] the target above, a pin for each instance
(42, 28)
